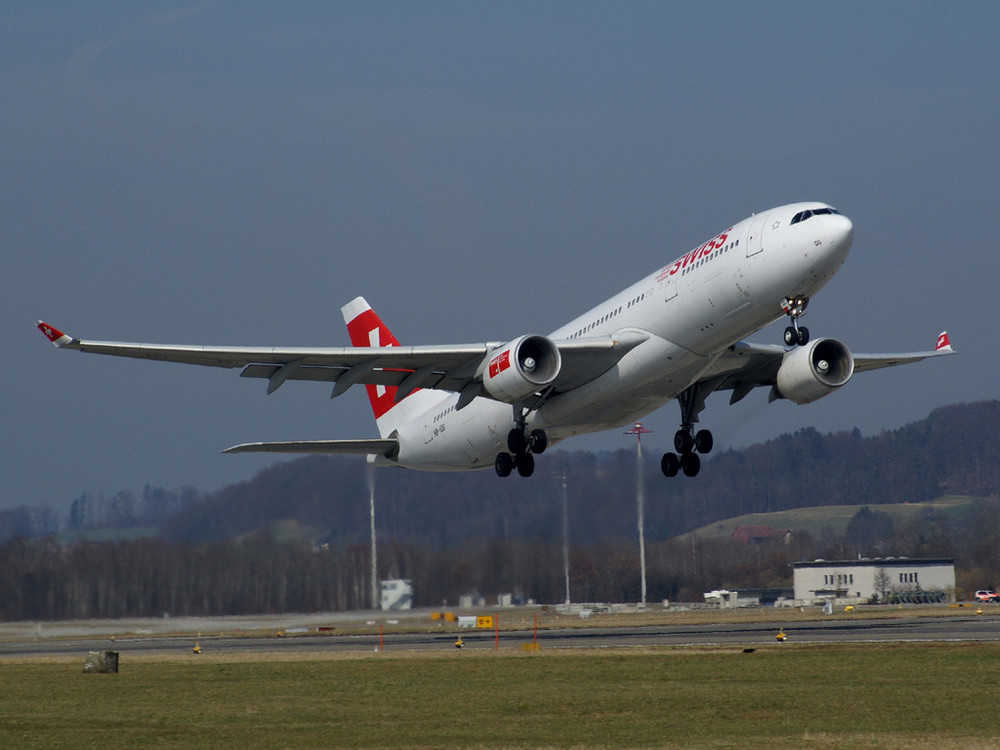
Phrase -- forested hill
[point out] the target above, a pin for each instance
(955, 450)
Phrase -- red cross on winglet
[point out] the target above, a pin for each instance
(53, 334)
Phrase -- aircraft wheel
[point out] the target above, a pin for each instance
(683, 442)
(791, 336)
(690, 464)
(504, 464)
(517, 443)
(803, 336)
(538, 442)
(525, 464)
(670, 464)
(703, 441)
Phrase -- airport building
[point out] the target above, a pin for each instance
(734, 598)
(882, 580)
(397, 594)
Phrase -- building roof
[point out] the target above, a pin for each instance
(876, 562)
(756, 532)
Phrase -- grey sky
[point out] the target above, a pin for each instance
(232, 173)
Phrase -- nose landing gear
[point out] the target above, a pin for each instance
(795, 308)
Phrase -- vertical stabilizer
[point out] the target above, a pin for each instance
(366, 329)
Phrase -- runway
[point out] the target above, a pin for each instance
(957, 628)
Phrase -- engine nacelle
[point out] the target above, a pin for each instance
(812, 371)
(521, 367)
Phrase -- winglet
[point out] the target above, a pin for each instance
(53, 334)
(943, 345)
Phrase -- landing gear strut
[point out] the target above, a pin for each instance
(795, 308)
(687, 442)
(523, 447)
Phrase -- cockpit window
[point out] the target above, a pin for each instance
(803, 215)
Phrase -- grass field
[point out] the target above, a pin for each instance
(780, 696)
(833, 519)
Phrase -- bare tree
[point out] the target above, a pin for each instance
(883, 584)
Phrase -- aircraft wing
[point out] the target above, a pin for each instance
(448, 367)
(864, 362)
(746, 366)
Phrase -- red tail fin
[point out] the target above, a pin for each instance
(367, 329)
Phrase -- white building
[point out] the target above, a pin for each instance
(397, 594)
(772, 597)
(890, 579)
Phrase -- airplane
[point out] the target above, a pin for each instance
(676, 334)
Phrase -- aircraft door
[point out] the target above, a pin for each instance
(669, 287)
(755, 236)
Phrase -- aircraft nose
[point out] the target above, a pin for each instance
(846, 229)
(840, 233)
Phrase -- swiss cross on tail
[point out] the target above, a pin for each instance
(366, 329)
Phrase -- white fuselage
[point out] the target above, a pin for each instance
(692, 310)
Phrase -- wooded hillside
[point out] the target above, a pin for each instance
(295, 538)
(955, 450)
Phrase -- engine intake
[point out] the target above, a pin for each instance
(521, 367)
(812, 371)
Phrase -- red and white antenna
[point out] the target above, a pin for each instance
(638, 431)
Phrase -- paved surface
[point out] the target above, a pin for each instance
(913, 629)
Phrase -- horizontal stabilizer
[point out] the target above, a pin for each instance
(388, 448)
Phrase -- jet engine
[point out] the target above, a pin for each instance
(812, 371)
(521, 367)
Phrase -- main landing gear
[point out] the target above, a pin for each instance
(523, 447)
(687, 442)
(795, 308)
(688, 445)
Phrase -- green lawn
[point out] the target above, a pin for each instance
(833, 519)
(781, 696)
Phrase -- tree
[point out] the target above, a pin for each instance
(869, 531)
(883, 584)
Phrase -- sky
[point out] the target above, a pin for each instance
(233, 173)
